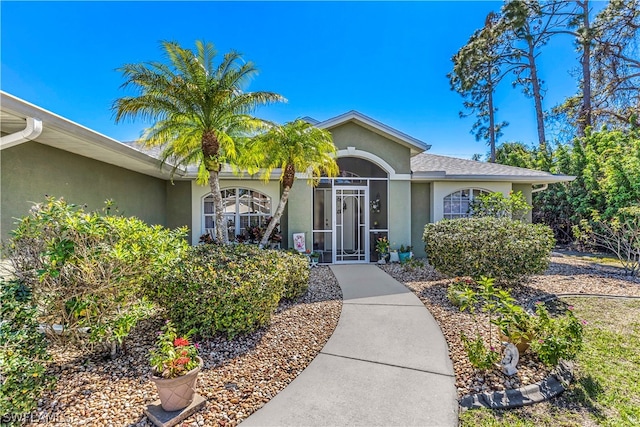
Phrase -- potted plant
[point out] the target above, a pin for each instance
(404, 253)
(382, 248)
(314, 257)
(175, 364)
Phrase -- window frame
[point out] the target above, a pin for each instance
(236, 217)
(461, 200)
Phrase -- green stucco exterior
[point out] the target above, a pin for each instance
(399, 213)
(527, 193)
(420, 215)
(30, 171)
(300, 213)
(353, 135)
(179, 205)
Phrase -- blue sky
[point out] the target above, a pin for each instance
(388, 60)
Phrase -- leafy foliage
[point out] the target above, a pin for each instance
(620, 236)
(514, 206)
(231, 289)
(556, 337)
(173, 355)
(200, 111)
(23, 354)
(294, 147)
(86, 270)
(493, 247)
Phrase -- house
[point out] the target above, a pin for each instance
(388, 185)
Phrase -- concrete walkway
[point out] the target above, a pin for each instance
(386, 364)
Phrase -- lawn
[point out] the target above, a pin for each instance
(606, 390)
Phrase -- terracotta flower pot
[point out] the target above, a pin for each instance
(177, 393)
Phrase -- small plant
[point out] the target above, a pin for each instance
(457, 289)
(173, 355)
(413, 264)
(557, 338)
(382, 245)
(405, 249)
(480, 358)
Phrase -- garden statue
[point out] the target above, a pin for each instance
(510, 359)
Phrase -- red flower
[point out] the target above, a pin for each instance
(180, 342)
(183, 361)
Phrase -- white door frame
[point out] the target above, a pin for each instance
(334, 216)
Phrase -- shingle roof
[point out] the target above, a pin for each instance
(433, 166)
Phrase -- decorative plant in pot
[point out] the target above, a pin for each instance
(176, 364)
(382, 248)
(404, 253)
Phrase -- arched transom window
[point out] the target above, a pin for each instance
(242, 207)
(458, 204)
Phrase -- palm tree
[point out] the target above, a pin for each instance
(199, 110)
(294, 147)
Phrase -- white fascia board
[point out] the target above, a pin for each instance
(440, 176)
(58, 123)
(414, 144)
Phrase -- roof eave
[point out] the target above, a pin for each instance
(441, 176)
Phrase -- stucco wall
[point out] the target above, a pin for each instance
(199, 192)
(420, 215)
(179, 205)
(300, 213)
(440, 189)
(526, 192)
(30, 171)
(353, 135)
(399, 213)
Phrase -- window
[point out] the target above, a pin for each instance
(242, 207)
(458, 204)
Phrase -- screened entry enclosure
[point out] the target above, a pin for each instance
(350, 212)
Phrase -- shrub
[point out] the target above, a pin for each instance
(556, 337)
(488, 246)
(22, 351)
(232, 289)
(86, 270)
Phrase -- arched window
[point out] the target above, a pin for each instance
(242, 207)
(458, 204)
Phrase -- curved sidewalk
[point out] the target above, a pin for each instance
(386, 364)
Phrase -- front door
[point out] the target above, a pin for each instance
(351, 224)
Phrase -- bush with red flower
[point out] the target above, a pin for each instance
(173, 355)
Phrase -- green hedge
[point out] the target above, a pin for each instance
(231, 289)
(23, 352)
(488, 246)
(87, 269)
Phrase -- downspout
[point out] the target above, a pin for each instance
(544, 187)
(30, 132)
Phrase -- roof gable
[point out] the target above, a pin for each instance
(415, 145)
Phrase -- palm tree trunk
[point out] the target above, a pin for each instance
(276, 217)
(222, 237)
(287, 182)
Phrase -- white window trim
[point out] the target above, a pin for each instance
(237, 215)
(454, 215)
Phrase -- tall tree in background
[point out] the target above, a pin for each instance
(528, 25)
(200, 110)
(616, 63)
(477, 70)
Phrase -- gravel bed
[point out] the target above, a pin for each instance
(565, 274)
(239, 376)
